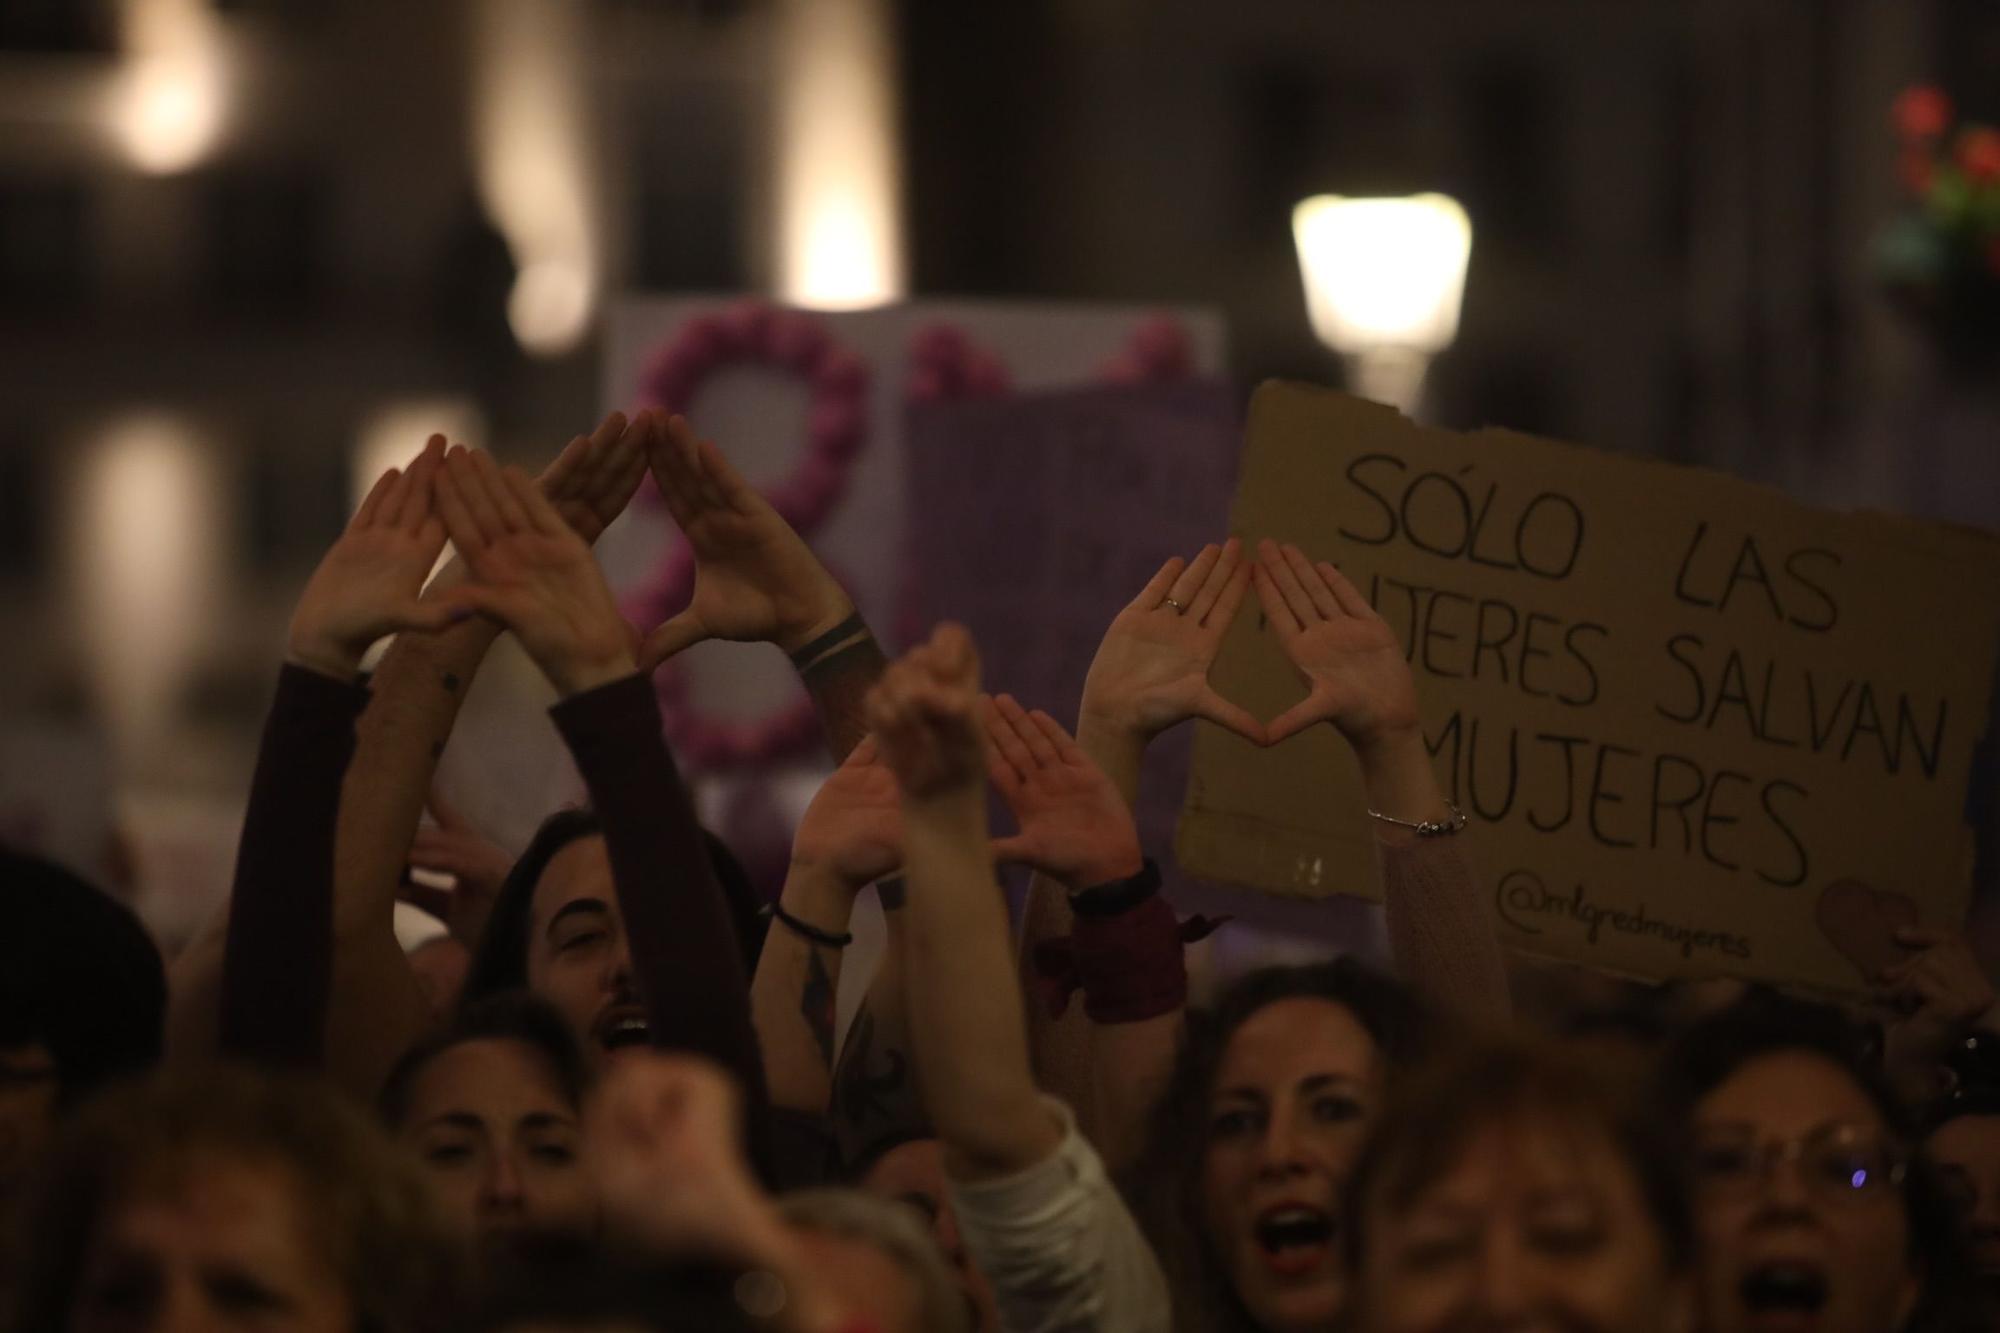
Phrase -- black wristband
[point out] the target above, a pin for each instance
(891, 892)
(1120, 895)
(846, 629)
(806, 930)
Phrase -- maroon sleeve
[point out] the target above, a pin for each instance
(277, 962)
(685, 951)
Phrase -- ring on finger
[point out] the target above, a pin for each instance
(1179, 610)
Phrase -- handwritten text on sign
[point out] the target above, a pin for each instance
(1698, 727)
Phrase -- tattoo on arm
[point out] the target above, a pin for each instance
(838, 682)
(816, 1005)
(866, 1089)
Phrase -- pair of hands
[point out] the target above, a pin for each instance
(1074, 825)
(1151, 670)
(755, 578)
(529, 567)
(934, 739)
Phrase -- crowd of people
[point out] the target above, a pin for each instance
(609, 1095)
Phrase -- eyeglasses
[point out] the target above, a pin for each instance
(1838, 1163)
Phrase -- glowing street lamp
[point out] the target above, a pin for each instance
(1384, 279)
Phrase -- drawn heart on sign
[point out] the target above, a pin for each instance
(1862, 923)
(753, 333)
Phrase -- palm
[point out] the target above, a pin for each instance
(1074, 823)
(1347, 655)
(593, 479)
(854, 826)
(549, 591)
(755, 579)
(751, 576)
(1072, 818)
(363, 582)
(1151, 670)
(367, 585)
(1155, 672)
(1357, 676)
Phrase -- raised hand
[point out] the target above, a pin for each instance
(367, 584)
(595, 476)
(663, 1145)
(1943, 983)
(925, 713)
(853, 830)
(1347, 655)
(454, 846)
(533, 573)
(755, 579)
(1075, 826)
(1151, 670)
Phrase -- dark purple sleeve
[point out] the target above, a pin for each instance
(684, 946)
(277, 962)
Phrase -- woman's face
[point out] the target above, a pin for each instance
(1532, 1228)
(222, 1245)
(499, 1142)
(1966, 1149)
(28, 1088)
(578, 957)
(913, 1173)
(1293, 1096)
(1817, 1241)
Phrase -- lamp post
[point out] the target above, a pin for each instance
(1384, 279)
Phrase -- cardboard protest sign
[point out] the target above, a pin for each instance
(1034, 520)
(1698, 728)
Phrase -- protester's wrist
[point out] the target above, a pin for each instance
(834, 606)
(817, 893)
(1112, 866)
(323, 656)
(948, 816)
(1104, 731)
(1380, 745)
(582, 675)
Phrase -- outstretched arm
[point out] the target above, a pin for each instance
(1124, 942)
(757, 581)
(965, 1010)
(1357, 679)
(278, 955)
(533, 573)
(1150, 675)
(378, 1006)
(1034, 1203)
(851, 835)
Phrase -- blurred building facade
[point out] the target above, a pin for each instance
(1674, 202)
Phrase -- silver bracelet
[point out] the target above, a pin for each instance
(1428, 828)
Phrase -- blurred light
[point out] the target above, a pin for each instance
(549, 307)
(1383, 272)
(1384, 280)
(168, 98)
(837, 188)
(144, 542)
(531, 155)
(395, 432)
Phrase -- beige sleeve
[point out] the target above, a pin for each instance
(1441, 929)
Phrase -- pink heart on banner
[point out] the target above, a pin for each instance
(754, 333)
